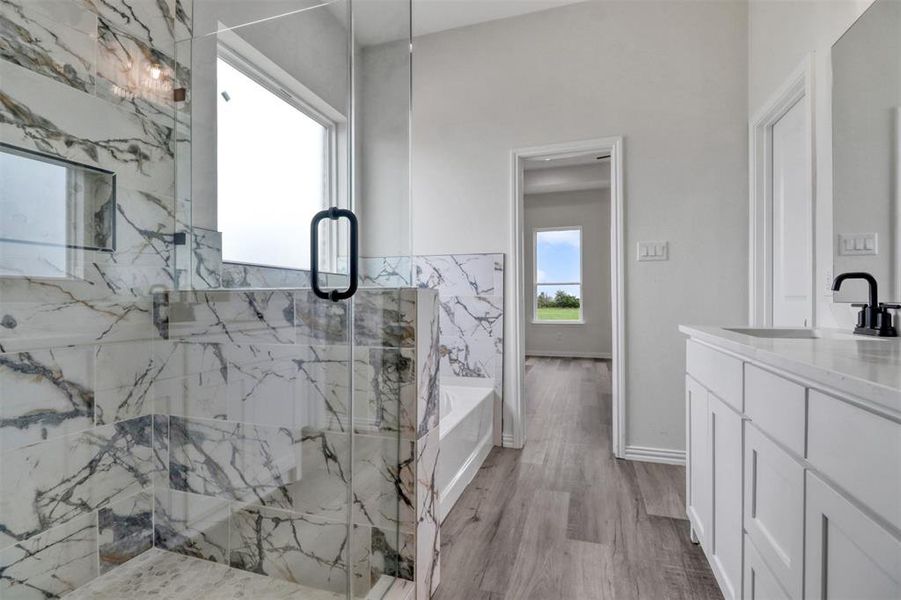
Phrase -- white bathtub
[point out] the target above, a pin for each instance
(466, 430)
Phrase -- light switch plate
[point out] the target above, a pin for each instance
(648, 251)
(857, 244)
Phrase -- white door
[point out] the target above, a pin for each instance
(792, 253)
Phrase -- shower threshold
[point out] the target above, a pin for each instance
(162, 574)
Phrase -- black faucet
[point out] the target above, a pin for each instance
(874, 317)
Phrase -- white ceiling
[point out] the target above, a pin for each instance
(567, 178)
(380, 21)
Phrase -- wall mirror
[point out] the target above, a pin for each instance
(866, 156)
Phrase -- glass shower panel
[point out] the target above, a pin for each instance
(268, 120)
(87, 205)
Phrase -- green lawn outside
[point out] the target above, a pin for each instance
(558, 314)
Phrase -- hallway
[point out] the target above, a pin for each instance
(562, 518)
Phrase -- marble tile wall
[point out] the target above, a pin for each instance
(471, 293)
(89, 82)
(253, 430)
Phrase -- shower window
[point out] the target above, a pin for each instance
(558, 275)
(275, 164)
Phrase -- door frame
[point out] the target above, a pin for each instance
(613, 145)
(797, 88)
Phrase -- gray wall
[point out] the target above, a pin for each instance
(591, 210)
(671, 78)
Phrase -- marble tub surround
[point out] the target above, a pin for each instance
(471, 294)
(254, 398)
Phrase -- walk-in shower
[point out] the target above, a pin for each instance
(180, 415)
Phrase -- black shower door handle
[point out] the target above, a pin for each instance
(334, 213)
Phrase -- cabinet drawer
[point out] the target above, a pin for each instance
(848, 554)
(859, 451)
(774, 508)
(777, 406)
(718, 372)
(760, 583)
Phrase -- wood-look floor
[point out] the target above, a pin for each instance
(562, 518)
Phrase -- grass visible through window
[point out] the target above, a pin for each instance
(552, 313)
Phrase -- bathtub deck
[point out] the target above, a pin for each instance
(562, 518)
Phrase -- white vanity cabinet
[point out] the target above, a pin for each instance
(793, 479)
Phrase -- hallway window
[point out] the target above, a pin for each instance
(558, 275)
(273, 166)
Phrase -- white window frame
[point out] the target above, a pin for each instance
(536, 284)
(240, 55)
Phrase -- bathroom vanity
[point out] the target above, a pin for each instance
(794, 461)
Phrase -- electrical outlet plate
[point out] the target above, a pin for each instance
(648, 251)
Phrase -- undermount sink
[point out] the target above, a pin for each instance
(778, 333)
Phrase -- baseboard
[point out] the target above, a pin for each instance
(507, 441)
(655, 455)
(568, 354)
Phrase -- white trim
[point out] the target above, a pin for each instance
(797, 88)
(569, 354)
(665, 456)
(614, 145)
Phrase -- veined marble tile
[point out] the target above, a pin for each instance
(52, 563)
(45, 394)
(50, 483)
(320, 321)
(386, 271)
(428, 521)
(190, 358)
(184, 19)
(384, 482)
(265, 317)
(471, 335)
(87, 130)
(40, 313)
(295, 547)
(393, 554)
(206, 255)
(124, 530)
(160, 448)
(385, 317)
(61, 48)
(323, 388)
(428, 351)
(385, 390)
(125, 374)
(199, 395)
(320, 484)
(170, 576)
(152, 21)
(262, 394)
(236, 461)
(191, 524)
(145, 224)
(131, 280)
(461, 274)
(236, 275)
(136, 74)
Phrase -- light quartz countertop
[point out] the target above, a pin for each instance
(868, 369)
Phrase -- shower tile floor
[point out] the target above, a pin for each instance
(170, 576)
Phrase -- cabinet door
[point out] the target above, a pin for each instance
(725, 533)
(848, 554)
(760, 583)
(698, 496)
(774, 508)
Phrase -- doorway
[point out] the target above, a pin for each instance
(568, 198)
(782, 288)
